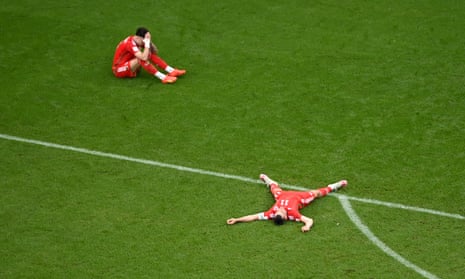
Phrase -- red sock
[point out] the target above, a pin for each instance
(275, 189)
(324, 191)
(148, 67)
(158, 61)
(273, 186)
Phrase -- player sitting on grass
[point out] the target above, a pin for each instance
(129, 57)
(288, 203)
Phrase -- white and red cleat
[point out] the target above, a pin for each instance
(177, 73)
(169, 80)
(336, 186)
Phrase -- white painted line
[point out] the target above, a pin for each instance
(405, 207)
(212, 173)
(367, 232)
(126, 158)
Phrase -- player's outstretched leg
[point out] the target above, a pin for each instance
(172, 72)
(272, 185)
(322, 192)
(268, 181)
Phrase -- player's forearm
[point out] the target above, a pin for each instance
(248, 218)
(243, 219)
(147, 46)
(145, 54)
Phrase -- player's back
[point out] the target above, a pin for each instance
(297, 199)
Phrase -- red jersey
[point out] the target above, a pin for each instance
(292, 201)
(125, 51)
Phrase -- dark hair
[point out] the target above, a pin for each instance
(278, 220)
(141, 31)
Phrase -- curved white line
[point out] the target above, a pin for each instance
(211, 173)
(367, 232)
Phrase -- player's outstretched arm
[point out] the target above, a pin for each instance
(308, 223)
(243, 219)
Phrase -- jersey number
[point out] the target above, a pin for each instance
(284, 202)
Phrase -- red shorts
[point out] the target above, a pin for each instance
(123, 70)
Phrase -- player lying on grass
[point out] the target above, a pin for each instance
(138, 51)
(288, 203)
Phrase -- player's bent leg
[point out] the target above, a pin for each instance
(151, 69)
(124, 70)
(172, 72)
(148, 67)
(158, 61)
(134, 65)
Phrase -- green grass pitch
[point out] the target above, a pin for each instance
(309, 92)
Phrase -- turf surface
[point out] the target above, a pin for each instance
(307, 92)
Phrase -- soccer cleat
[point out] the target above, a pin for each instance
(169, 79)
(177, 73)
(336, 186)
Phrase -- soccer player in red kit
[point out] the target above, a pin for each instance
(288, 203)
(138, 51)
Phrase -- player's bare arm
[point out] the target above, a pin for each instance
(308, 223)
(147, 45)
(144, 55)
(243, 219)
